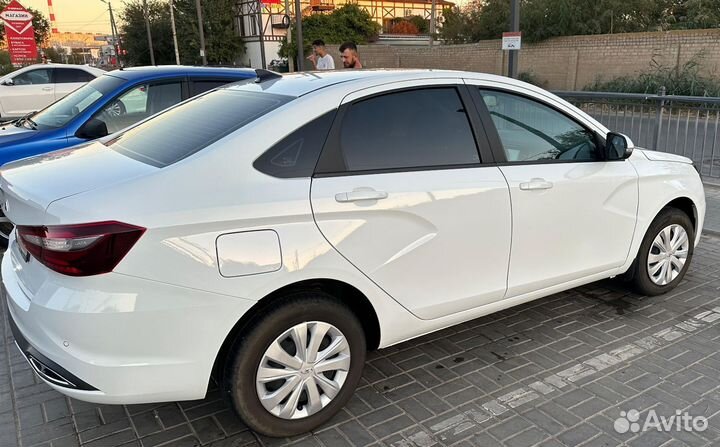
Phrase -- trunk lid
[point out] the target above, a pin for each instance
(29, 186)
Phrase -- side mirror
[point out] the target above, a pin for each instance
(93, 129)
(8, 82)
(618, 146)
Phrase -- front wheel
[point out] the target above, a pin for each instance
(296, 366)
(665, 253)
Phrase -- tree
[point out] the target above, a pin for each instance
(134, 33)
(542, 19)
(5, 65)
(41, 25)
(223, 45)
(478, 20)
(348, 23)
(55, 54)
(692, 14)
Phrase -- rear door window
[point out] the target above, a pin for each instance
(423, 128)
(69, 75)
(184, 130)
(198, 86)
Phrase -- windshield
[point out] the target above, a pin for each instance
(194, 125)
(63, 111)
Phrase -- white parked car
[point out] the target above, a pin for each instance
(273, 232)
(35, 87)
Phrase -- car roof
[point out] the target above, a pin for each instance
(299, 84)
(88, 68)
(136, 73)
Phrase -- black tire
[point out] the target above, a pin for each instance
(641, 281)
(246, 354)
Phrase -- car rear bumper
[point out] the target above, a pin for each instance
(121, 340)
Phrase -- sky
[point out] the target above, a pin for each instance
(85, 16)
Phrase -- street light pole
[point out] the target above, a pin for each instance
(202, 33)
(515, 27)
(149, 35)
(174, 33)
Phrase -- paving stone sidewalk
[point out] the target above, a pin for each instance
(712, 215)
(554, 372)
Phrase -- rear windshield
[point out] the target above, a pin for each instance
(180, 132)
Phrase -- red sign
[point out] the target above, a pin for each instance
(20, 33)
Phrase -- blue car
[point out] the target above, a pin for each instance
(107, 104)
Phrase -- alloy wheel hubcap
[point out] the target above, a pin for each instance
(303, 370)
(114, 109)
(668, 254)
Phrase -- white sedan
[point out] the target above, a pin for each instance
(270, 233)
(35, 87)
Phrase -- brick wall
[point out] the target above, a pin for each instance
(563, 63)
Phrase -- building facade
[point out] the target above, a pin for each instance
(268, 22)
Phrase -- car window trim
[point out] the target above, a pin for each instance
(331, 162)
(494, 137)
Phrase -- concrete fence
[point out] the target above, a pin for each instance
(561, 63)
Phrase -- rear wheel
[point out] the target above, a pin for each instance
(296, 366)
(665, 253)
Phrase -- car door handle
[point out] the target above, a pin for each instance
(47, 89)
(536, 183)
(360, 194)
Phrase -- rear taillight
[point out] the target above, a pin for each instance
(80, 250)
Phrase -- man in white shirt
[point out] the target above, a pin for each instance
(320, 58)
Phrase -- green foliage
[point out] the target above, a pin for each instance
(222, 44)
(134, 34)
(531, 78)
(41, 25)
(348, 23)
(55, 54)
(421, 24)
(683, 80)
(542, 19)
(5, 65)
(477, 20)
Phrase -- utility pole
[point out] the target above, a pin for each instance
(291, 65)
(115, 35)
(202, 33)
(113, 31)
(514, 27)
(149, 35)
(432, 22)
(298, 26)
(172, 24)
(261, 38)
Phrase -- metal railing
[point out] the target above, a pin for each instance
(685, 125)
